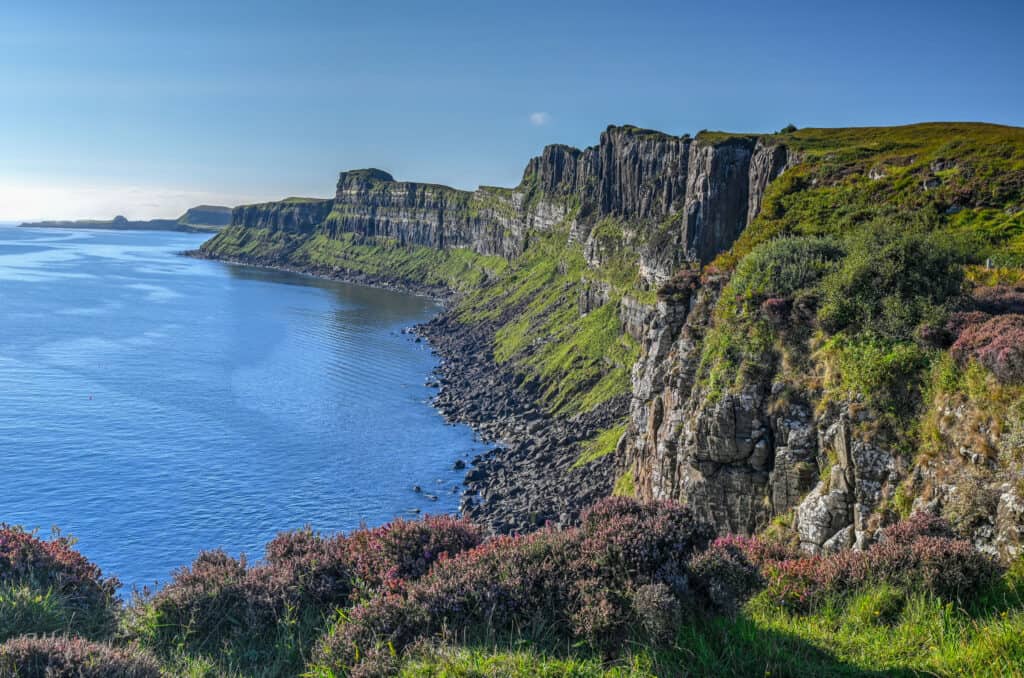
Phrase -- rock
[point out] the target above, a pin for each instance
(458, 465)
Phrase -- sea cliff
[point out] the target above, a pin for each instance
(769, 328)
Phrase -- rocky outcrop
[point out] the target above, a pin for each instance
(745, 456)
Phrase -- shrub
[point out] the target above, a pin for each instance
(307, 570)
(587, 583)
(784, 266)
(886, 373)
(724, 575)
(404, 550)
(215, 606)
(999, 299)
(61, 590)
(918, 554)
(890, 282)
(273, 612)
(58, 656)
(996, 343)
(658, 611)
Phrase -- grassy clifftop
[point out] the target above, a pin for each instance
(964, 179)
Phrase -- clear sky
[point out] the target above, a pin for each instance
(144, 108)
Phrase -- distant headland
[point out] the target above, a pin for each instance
(195, 219)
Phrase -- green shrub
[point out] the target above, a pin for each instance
(887, 374)
(784, 267)
(890, 282)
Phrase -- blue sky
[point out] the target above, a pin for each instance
(144, 108)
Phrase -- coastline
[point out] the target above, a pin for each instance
(527, 479)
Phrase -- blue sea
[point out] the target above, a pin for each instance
(153, 405)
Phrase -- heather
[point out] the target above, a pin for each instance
(264, 618)
(46, 586)
(622, 571)
(57, 657)
(635, 590)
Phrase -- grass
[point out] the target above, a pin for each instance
(601, 445)
(458, 269)
(878, 631)
(850, 176)
(27, 609)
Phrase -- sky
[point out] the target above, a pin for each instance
(146, 108)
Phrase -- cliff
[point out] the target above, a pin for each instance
(206, 215)
(751, 324)
(671, 190)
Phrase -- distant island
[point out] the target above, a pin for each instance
(197, 219)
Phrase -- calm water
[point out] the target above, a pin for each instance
(153, 405)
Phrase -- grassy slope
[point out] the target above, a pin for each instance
(833, 187)
(876, 632)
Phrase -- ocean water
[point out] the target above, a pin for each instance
(153, 405)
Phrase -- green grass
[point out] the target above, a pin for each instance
(625, 484)
(601, 445)
(831, 190)
(459, 269)
(878, 631)
(27, 609)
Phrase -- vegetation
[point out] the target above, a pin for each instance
(885, 273)
(601, 445)
(636, 590)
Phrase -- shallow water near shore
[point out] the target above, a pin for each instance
(154, 405)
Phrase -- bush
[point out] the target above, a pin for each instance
(918, 554)
(724, 575)
(658, 611)
(47, 586)
(999, 299)
(272, 613)
(783, 267)
(997, 343)
(217, 607)
(890, 282)
(886, 373)
(404, 550)
(587, 583)
(63, 657)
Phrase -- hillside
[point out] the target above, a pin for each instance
(209, 216)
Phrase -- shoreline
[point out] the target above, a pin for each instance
(527, 479)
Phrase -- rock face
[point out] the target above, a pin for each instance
(295, 216)
(743, 457)
(676, 198)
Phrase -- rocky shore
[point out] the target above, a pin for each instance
(528, 478)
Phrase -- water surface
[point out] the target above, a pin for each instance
(154, 405)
